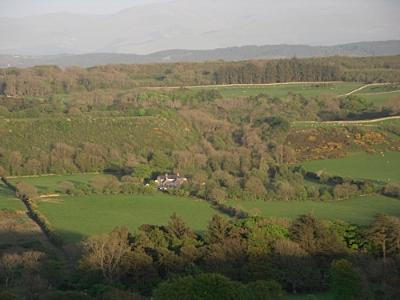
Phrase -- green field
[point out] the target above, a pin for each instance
(311, 89)
(49, 183)
(379, 99)
(359, 210)
(77, 217)
(8, 199)
(328, 124)
(379, 89)
(382, 167)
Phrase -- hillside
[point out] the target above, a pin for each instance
(378, 48)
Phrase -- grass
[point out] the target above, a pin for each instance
(78, 217)
(379, 89)
(359, 210)
(8, 200)
(379, 99)
(329, 124)
(382, 167)
(49, 183)
(307, 90)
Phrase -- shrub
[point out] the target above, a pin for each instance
(66, 187)
(345, 282)
(344, 190)
(25, 190)
(7, 296)
(392, 189)
(61, 295)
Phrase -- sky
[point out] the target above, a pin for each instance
(29, 27)
(21, 8)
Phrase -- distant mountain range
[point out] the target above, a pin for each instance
(383, 48)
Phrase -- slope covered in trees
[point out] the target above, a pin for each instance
(45, 80)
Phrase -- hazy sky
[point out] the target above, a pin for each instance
(19, 8)
(190, 24)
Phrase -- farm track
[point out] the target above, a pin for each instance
(379, 93)
(363, 87)
(237, 85)
(349, 122)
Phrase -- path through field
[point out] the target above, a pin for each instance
(363, 87)
(349, 122)
(239, 85)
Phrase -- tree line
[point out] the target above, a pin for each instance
(45, 80)
(253, 258)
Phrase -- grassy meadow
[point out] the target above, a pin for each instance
(49, 183)
(78, 217)
(8, 200)
(379, 98)
(307, 90)
(381, 167)
(358, 210)
(379, 89)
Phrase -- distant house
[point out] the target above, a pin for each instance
(169, 181)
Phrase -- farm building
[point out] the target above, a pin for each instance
(169, 181)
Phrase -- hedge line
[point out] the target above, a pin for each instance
(37, 216)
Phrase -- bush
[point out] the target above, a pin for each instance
(344, 190)
(263, 290)
(25, 190)
(7, 296)
(105, 185)
(392, 189)
(215, 286)
(69, 295)
(345, 282)
(66, 187)
(203, 286)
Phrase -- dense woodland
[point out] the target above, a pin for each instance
(248, 259)
(47, 80)
(107, 119)
(99, 119)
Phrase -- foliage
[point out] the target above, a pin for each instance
(345, 282)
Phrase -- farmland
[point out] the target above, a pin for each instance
(88, 145)
(381, 167)
(359, 210)
(49, 183)
(77, 217)
(380, 98)
(8, 200)
(307, 90)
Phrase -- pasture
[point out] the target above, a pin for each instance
(305, 89)
(358, 210)
(380, 98)
(382, 167)
(393, 120)
(8, 200)
(77, 217)
(49, 183)
(381, 88)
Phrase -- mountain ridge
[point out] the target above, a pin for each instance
(249, 52)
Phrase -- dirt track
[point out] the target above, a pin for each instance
(349, 122)
(362, 87)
